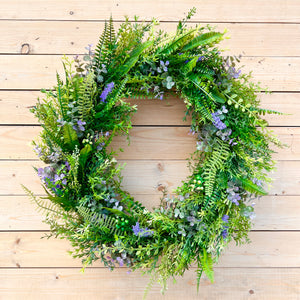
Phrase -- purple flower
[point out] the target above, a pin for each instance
(41, 172)
(38, 150)
(200, 58)
(120, 261)
(68, 166)
(257, 181)
(109, 87)
(192, 220)
(54, 157)
(233, 73)
(224, 110)
(59, 177)
(217, 121)
(61, 122)
(234, 198)
(81, 125)
(100, 146)
(163, 66)
(141, 232)
(225, 232)
(89, 48)
(192, 132)
(225, 218)
(232, 143)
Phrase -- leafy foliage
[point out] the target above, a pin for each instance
(85, 201)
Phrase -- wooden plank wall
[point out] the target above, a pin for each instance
(33, 36)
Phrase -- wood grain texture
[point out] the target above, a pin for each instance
(26, 249)
(265, 31)
(272, 213)
(57, 37)
(101, 284)
(145, 143)
(142, 176)
(166, 10)
(15, 105)
(38, 71)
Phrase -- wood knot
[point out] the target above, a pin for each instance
(18, 265)
(160, 167)
(71, 12)
(161, 187)
(18, 240)
(251, 292)
(25, 48)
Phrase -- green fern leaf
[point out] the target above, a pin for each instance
(177, 43)
(133, 58)
(199, 273)
(86, 94)
(215, 164)
(104, 222)
(188, 67)
(203, 39)
(43, 205)
(251, 187)
(207, 265)
(100, 48)
(70, 137)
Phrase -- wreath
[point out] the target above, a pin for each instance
(85, 201)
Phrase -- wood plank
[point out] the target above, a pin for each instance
(272, 213)
(145, 143)
(142, 177)
(210, 11)
(72, 37)
(267, 249)
(277, 213)
(14, 109)
(38, 71)
(230, 283)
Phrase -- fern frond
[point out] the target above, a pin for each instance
(51, 137)
(105, 223)
(43, 205)
(176, 44)
(101, 47)
(207, 265)
(188, 67)
(62, 101)
(251, 187)
(214, 164)
(133, 58)
(264, 111)
(104, 48)
(70, 137)
(203, 39)
(196, 80)
(199, 273)
(150, 284)
(86, 93)
(117, 94)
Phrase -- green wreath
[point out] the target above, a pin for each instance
(81, 116)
